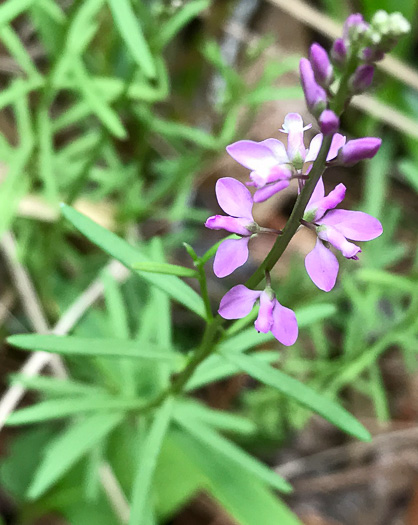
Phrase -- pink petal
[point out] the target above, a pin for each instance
(265, 193)
(329, 202)
(322, 267)
(231, 254)
(234, 198)
(253, 155)
(337, 239)
(278, 148)
(355, 225)
(317, 195)
(337, 143)
(265, 314)
(230, 224)
(238, 302)
(314, 148)
(278, 172)
(285, 326)
(293, 126)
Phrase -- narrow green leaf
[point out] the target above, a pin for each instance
(46, 154)
(130, 30)
(54, 386)
(182, 17)
(244, 497)
(18, 89)
(128, 256)
(148, 460)
(97, 104)
(69, 447)
(13, 43)
(300, 393)
(220, 419)
(71, 345)
(212, 439)
(65, 407)
(119, 327)
(165, 268)
(83, 26)
(13, 8)
(215, 368)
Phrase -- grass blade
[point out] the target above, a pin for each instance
(130, 30)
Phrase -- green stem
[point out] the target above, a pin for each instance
(294, 220)
(200, 355)
(204, 291)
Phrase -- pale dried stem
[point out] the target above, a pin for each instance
(38, 360)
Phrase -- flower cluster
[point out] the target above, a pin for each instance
(328, 83)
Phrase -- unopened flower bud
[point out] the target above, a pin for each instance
(385, 30)
(339, 52)
(315, 95)
(371, 54)
(321, 65)
(328, 122)
(361, 79)
(354, 27)
(356, 150)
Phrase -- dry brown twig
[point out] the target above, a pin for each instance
(38, 360)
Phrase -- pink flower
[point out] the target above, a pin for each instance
(235, 199)
(272, 316)
(334, 227)
(273, 164)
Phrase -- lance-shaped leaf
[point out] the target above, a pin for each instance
(300, 393)
(212, 439)
(148, 459)
(71, 345)
(129, 27)
(61, 408)
(128, 256)
(165, 268)
(69, 447)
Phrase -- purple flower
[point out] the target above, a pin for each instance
(272, 316)
(334, 227)
(315, 95)
(235, 199)
(321, 65)
(362, 78)
(328, 122)
(272, 164)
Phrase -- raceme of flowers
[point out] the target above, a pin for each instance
(273, 165)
